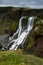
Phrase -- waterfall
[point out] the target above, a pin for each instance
(30, 23)
(19, 29)
(20, 25)
(22, 36)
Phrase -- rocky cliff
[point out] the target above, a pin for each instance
(9, 18)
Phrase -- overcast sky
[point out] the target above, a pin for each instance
(23, 3)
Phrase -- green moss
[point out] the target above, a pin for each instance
(31, 43)
(18, 58)
(14, 26)
(1, 30)
(24, 22)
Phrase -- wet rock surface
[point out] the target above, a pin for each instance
(3, 39)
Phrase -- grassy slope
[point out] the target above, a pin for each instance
(18, 58)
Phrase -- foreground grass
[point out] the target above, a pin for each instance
(18, 58)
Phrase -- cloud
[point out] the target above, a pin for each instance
(23, 3)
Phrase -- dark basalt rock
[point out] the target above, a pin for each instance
(38, 48)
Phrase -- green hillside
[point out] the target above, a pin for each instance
(33, 47)
(19, 58)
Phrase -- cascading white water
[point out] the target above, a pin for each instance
(30, 23)
(20, 25)
(22, 36)
(19, 29)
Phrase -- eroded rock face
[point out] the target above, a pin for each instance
(38, 30)
(39, 46)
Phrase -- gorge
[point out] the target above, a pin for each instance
(21, 37)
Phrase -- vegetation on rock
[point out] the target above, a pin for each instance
(18, 58)
(9, 18)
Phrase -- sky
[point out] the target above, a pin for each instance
(22, 3)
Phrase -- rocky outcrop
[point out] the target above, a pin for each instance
(38, 48)
(11, 15)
